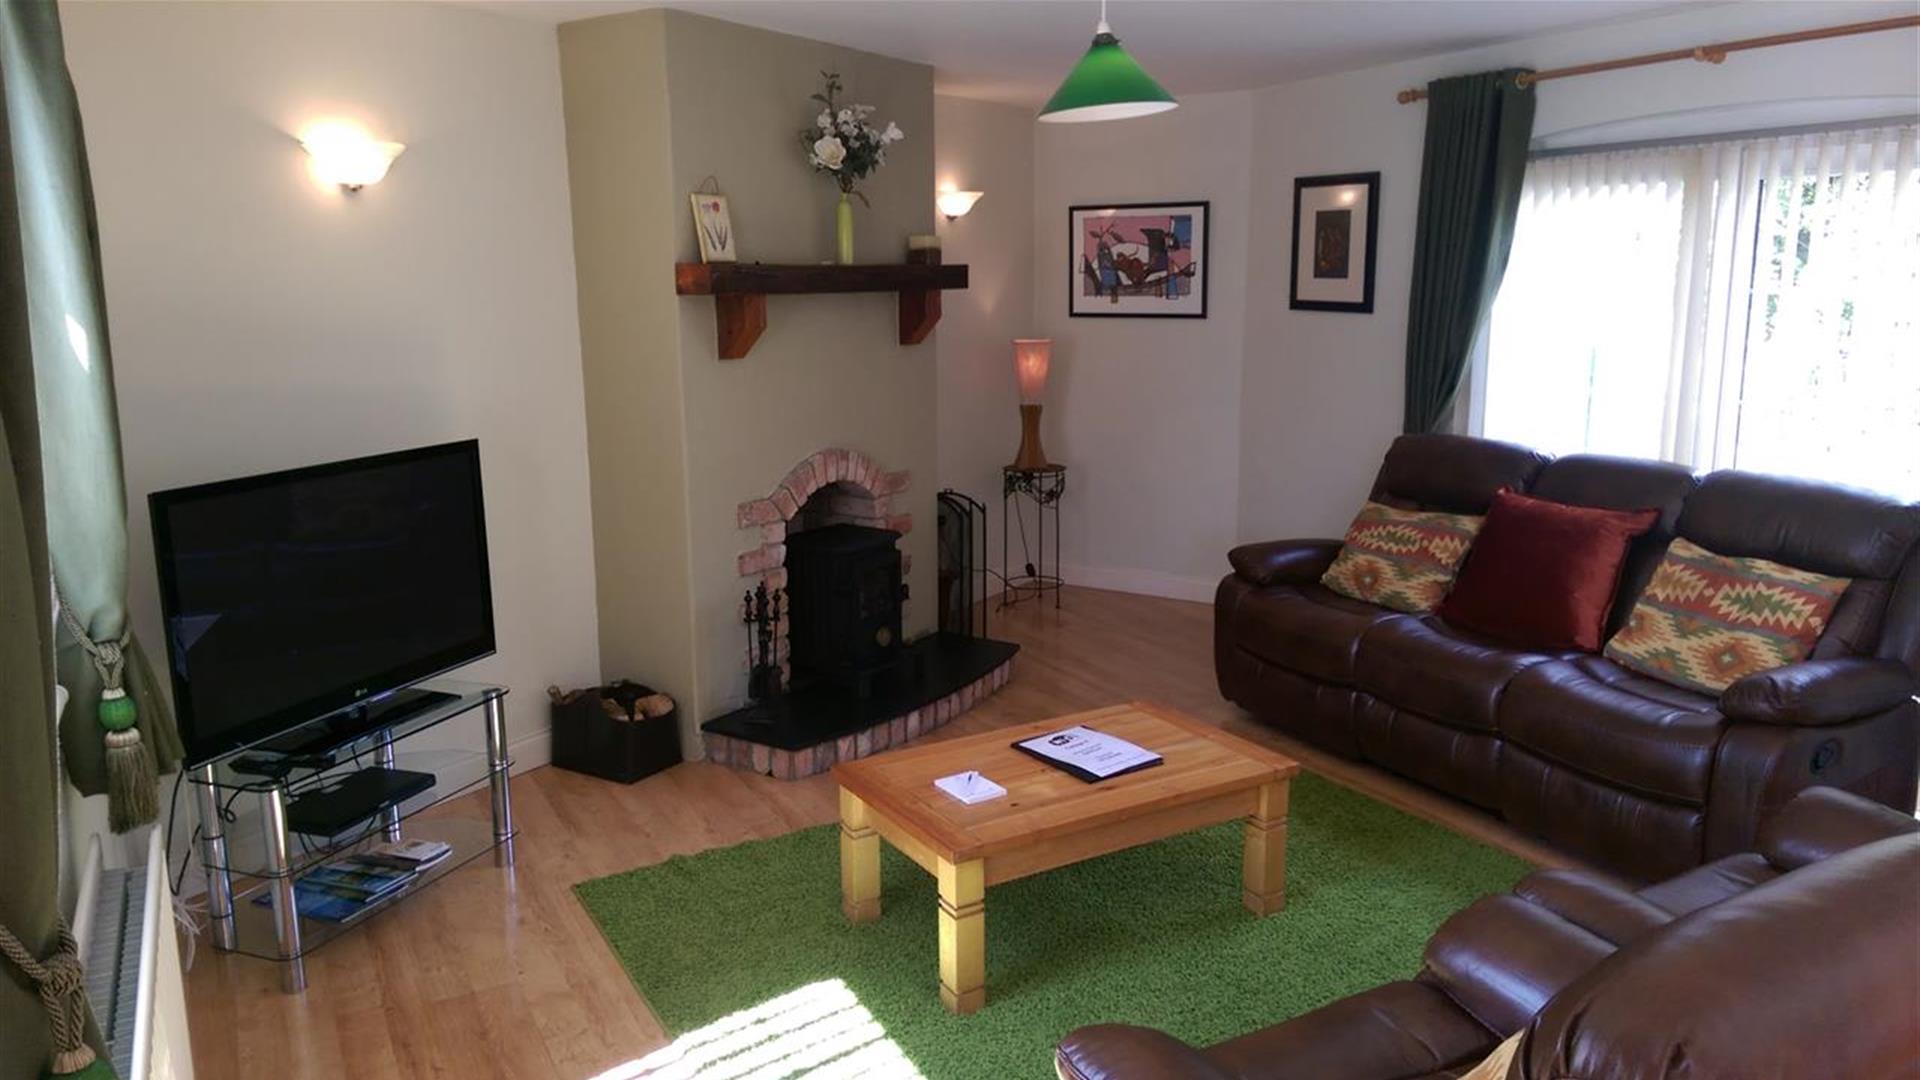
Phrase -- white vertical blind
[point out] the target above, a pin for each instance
(1743, 304)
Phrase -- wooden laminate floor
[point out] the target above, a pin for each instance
(487, 974)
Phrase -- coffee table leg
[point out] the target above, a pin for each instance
(859, 861)
(1264, 866)
(963, 936)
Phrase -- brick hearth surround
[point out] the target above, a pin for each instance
(856, 490)
(796, 764)
(862, 494)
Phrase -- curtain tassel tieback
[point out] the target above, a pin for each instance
(58, 978)
(133, 782)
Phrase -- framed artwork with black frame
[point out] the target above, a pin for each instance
(1137, 260)
(1334, 221)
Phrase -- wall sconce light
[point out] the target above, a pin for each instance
(343, 153)
(955, 204)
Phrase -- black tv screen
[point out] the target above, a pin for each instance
(296, 594)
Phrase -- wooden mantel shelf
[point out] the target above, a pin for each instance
(740, 292)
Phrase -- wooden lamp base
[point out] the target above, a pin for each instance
(1031, 456)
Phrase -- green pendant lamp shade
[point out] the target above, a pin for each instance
(1106, 84)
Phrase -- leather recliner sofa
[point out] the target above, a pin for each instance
(1631, 773)
(1796, 960)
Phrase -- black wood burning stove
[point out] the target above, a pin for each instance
(843, 594)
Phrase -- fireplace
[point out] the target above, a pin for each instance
(829, 535)
(844, 591)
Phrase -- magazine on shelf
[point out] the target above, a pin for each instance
(1088, 754)
(343, 890)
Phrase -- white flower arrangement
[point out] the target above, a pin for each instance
(842, 142)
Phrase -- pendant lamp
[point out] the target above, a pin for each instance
(1106, 84)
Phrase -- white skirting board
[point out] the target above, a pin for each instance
(1143, 582)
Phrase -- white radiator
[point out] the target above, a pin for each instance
(123, 924)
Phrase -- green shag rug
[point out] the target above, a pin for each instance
(1155, 935)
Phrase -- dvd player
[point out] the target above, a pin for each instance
(345, 801)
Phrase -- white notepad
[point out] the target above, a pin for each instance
(970, 787)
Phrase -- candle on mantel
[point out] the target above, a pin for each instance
(923, 249)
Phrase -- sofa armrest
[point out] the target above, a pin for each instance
(1125, 1052)
(1277, 562)
(1822, 822)
(1819, 693)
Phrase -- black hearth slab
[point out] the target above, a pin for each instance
(930, 669)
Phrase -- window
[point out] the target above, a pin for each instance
(1739, 304)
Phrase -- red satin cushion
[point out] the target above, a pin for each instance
(1542, 574)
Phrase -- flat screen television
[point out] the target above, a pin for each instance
(291, 596)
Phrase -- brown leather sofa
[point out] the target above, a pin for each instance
(1628, 772)
(1796, 960)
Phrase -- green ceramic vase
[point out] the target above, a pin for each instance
(843, 220)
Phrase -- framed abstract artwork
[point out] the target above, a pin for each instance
(1334, 218)
(1138, 260)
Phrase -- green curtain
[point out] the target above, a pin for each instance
(79, 433)
(1478, 127)
(29, 783)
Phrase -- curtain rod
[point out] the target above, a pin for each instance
(1708, 54)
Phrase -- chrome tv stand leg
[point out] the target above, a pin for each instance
(498, 765)
(383, 756)
(214, 862)
(286, 917)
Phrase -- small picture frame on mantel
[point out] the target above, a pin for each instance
(713, 226)
(1334, 221)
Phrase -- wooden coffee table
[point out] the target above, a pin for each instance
(1050, 819)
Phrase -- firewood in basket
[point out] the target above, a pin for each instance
(612, 708)
(654, 705)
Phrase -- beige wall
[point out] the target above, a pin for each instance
(828, 371)
(984, 147)
(614, 78)
(1144, 412)
(261, 321)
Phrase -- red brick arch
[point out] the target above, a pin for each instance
(771, 514)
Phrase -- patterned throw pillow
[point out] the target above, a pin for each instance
(1706, 620)
(1402, 559)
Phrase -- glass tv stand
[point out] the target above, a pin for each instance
(273, 930)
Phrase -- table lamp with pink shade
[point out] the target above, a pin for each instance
(1030, 359)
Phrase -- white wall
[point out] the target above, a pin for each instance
(260, 321)
(1322, 391)
(1144, 412)
(986, 147)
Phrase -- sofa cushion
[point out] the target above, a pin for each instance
(1820, 527)
(1542, 574)
(1307, 628)
(1595, 904)
(1707, 620)
(1402, 559)
(1452, 473)
(1631, 731)
(1637, 837)
(1711, 883)
(1617, 483)
(1440, 671)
